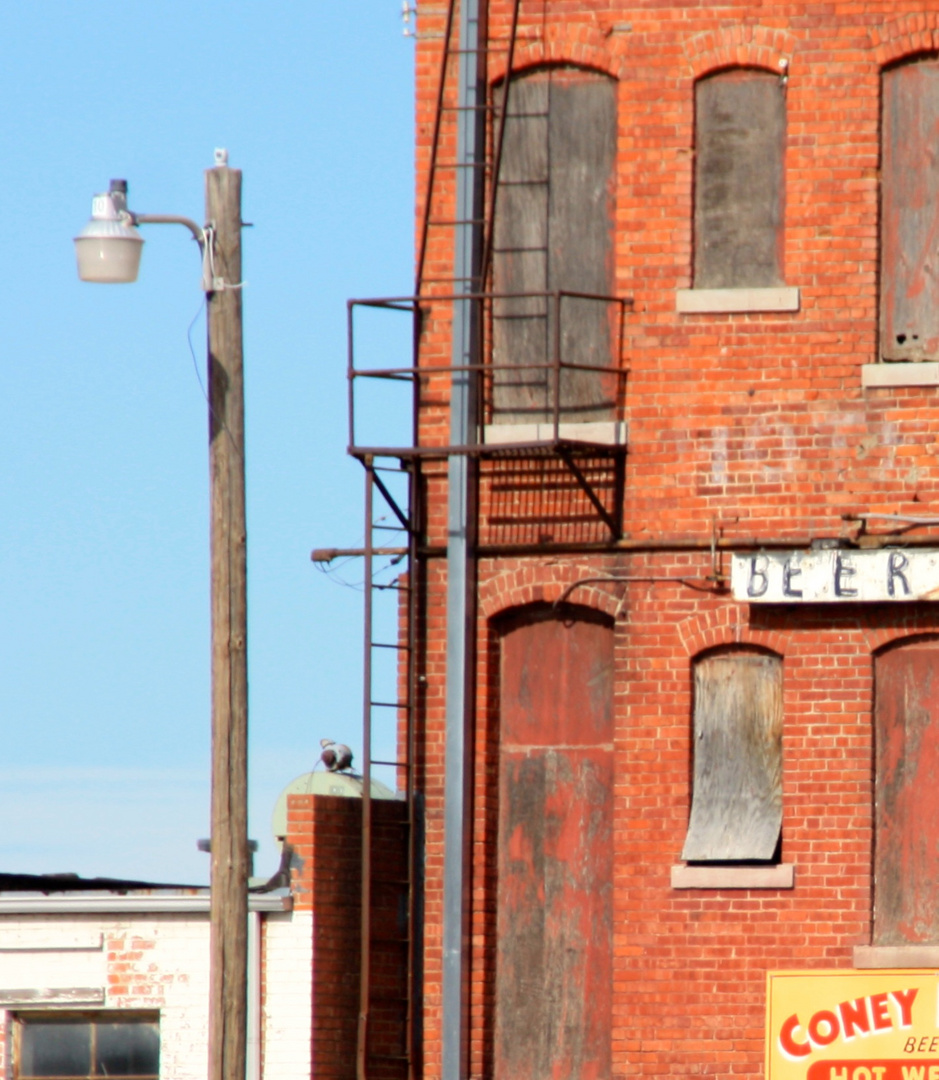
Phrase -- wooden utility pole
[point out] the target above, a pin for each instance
(229, 912)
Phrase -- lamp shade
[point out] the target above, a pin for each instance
(108, 248)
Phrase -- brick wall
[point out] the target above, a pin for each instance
(745, 429)
(327, 832)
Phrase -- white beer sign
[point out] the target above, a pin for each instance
(835, 576)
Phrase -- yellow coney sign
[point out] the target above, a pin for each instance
(852, 1025)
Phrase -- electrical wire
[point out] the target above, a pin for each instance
(195, 363)
(331, 569)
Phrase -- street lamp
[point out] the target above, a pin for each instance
(108, 250)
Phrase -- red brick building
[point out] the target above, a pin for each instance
(671, 495)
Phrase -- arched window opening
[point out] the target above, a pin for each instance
(554, 921)
(906, 794)
(554, 231)
(739, 205)
(909, 284)
(736, 803)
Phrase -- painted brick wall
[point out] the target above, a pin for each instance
(142, 962)
(160, 963)
(744, 430)
(288, 995)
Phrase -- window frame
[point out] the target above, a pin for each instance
(22, 1019)
(761, 288)
(753, 720)
(908, 308)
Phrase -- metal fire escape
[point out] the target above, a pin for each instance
(466, 148)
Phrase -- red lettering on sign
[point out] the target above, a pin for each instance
(879, 1012)
(854, 1018)
(859, 1018)
(787, 1039)
(823, 1028)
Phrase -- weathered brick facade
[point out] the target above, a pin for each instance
(747, 430)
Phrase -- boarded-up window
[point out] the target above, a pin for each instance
(554, 974)
(554, 230)
(736, 805)
(909, 248)
(740, 138)
(906, 849)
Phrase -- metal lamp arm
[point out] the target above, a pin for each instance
(171, 219)
(204, 237)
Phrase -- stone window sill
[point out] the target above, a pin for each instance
(896, 956)
(781, 876)
(600, 432)
(901, 373)
(724, 301)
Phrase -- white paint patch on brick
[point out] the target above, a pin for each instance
(288, 1004)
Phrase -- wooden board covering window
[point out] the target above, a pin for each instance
(909, 246)
(740, 138)
(906, 803)
(554, 230)
(736, 805)
(554, 975)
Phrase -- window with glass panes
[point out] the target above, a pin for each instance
(87, 1045)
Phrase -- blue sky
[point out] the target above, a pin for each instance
(104, 589)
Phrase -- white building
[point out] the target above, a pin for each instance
(100, 983)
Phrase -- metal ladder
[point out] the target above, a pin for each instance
(445, 117)
(381, 696)
(407, 587)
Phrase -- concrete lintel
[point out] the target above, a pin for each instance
(896, 956)
(722, 301)
(54, 995)
(925, 373)
(47, 938)
(734, 877)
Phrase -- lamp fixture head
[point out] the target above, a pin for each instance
(108, 247)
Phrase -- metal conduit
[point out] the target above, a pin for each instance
(461, 471)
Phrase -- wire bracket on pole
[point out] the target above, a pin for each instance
(212, 282)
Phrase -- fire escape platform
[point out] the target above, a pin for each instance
(535, 447)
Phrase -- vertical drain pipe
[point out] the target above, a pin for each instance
(461, 527)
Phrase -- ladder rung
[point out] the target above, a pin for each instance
(467, 108)
(529, 115)
(478, 52)
(468, 221)
(512, 251)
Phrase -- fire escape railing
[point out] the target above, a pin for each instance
(560, 413)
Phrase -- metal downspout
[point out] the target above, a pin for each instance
(461, 527)
(255, 923)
